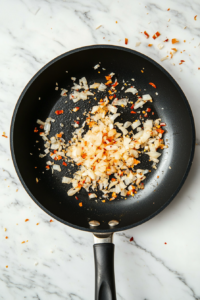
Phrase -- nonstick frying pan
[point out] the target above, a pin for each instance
(102, 219)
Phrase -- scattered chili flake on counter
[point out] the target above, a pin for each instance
(157, 34)
(166, 40)
(157, 176)
(131, 239)
(126, 41)
(26, 220)
(59, 112)
(23, 242)
(6, 237)
(51, 221)
(182, 61)
(37, 223)
(64, 163)
(165, 243)
(146, 34)
(6, 266)
(152, 84)
(80, 204)
(195, 17)
(4, 135)
(174, 41)
(168, 9)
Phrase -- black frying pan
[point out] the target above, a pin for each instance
(50, 194)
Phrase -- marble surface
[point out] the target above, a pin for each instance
(57, 261)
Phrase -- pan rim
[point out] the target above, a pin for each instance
(118, 228)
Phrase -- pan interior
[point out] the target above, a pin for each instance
(169, 104)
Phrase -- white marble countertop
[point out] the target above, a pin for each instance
(57, 261)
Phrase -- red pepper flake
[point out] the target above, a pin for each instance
(37, 223)
(41, 127)
(126, 41)
(162, 124)
(165, 243)
(131, 239)
(166, 40)
(64, 163)
(152, 84)
(114, 84)
(147, 35)
(6, 266)
(152, 113)
(133, 112)
(174, 41)
(159, 130)
(35, 130)
(76, 197)
(77, 122)
(198, 68)
(47, 167)
(59, 135)
(182, 61)
(23, 242)
(168, 9)
(80, 204)
(51, 221)
(76, 109)
(132, 106)
(6, 237)
(59, 112)
(26, 220)
(157, 34)
(4, 136)
(157, 176)
(195, 17)
(148, 109)
(150, 45)
(145, 115)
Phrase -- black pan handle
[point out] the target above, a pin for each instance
(104, 271)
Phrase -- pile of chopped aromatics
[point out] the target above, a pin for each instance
(107, 153)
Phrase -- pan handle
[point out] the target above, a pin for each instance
(104, 268)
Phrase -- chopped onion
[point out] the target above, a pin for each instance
(56, 168)
(92, 195)
(102, 87)
(131, 90)
(66, 180)
(94, 85)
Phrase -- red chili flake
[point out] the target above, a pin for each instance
(168, 9)
(152, 84)
(157, 176)
(47, 167)
(41, 133)
(133, 112)
(157, 34)
(59, 112)
(59, 135)
(23, 242)
(147, 35)
(4, 136)
(35, 130)
(26, 220)
(145, 115)
(150, 45)
(132, 106)
(148, 109)
(64, 163)
(162, 124)
(174, 41)
(76, 197)
(152, 113)
(6, 237)
(6, 266)
(131, 239)
(37, 223)
(166, 40)
(114, 84)
(41, 127)
(76, 109)
(80, 204)
(126, 41)
(51, 221)
(182, 61)
(195, 17)
(198, 68)
(165, 243)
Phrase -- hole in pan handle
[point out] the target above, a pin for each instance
(104, 267)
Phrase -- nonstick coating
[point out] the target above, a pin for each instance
(170, 104)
